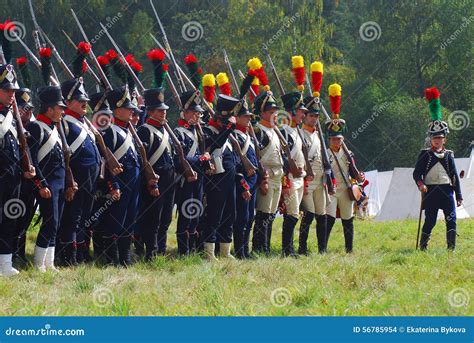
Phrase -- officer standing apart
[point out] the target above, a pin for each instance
(436, 176)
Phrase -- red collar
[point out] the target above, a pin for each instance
(241, 128)
(153, 122)
(266, 123)
(121, 123)
(214, 123)
(71, 113)
(183, 123)
(44, 119)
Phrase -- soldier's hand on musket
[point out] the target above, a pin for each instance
(192, 178)
(246, 195)
(117, 170)
(361, 177)
(458, 202)
(70, 191)
(30, 174)
(251, 172)
(45, 193)
(115, 194)
(153, 188)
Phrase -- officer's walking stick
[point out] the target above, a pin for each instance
(419, 220)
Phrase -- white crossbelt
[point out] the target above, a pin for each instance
(165, 144)
(193, 137)
(127, 143)
(274, 141)
(313, 150)
(6, 124)
(82, 135)
(53, 138)
(247, 143)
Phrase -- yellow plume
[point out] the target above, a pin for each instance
(222, 79)
(317, 66)
(254, 63)
(335, 90)
(297, 61)
(208, 80)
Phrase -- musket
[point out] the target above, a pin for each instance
(261, 169)
(37, 35)
(168, 49)
(26, 164)
(147, 167)
(89, 69)
(308, 168)
(327, 179)
(179, 74)
(110, 160)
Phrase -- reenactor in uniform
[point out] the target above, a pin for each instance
(102, 117)
(10, 170)
(190, 199)
(48, 158)
(156, 207)
(85, 165)
(340, 164)
(246, 185)
(317, 190)
(436, 176)
(123, 187)
(293, 185)
(266, 107)
(220, 186)
(27, 195)
(314, 199)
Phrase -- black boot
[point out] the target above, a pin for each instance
(183, 243)
(321, 233)
(69, 254)
(86, 247)
(329, 224)
(304, 231)
(268, 226)
(124, 244)
(258, 233)
(348, 225)
(139, 245)
(111, 251)
(246, 246)
(289, 224)
(98, 243)
(19, 255)
(193, 243)
(161, 239)
(80, 252)
(239, 245)
(451, 239)
(149, 241)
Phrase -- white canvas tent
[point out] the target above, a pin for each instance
(372, 191)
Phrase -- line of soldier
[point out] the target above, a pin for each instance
(217, 205)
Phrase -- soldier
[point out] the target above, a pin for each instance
(123, 187)
(246, 185)
(340, 164)
(189, 202)
(156, 207)
(10, 171)
(85, 165)
(317, 191)
(48, 159)
(102, 116)
(314, 199)
(293, 185)
(27, 196)
(436, 176)
(266, 107)
(220, 186)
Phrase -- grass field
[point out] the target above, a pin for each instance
(384, 276)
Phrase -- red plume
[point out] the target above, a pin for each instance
(156, 54)
(432, 93)
(21, 60)
(103, 60)
(84, 48)
(45, 52)
(111, 54)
